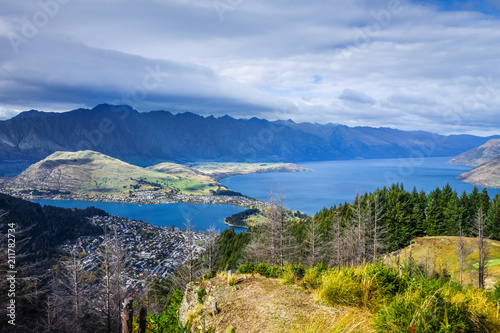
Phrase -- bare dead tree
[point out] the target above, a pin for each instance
(189, 246)
(313, 241)
(277, 229)
(212, 233)
(336, 242)
(463, 251)
(482, 246)
(378, 229)
(112, 262)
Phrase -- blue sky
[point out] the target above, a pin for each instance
(489, 7)
(413, 65)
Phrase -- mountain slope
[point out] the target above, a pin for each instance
(90, 173)
(479, 155)
(485, 175)
(440, 253)
(154, 137)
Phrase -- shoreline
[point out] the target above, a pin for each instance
(241, 201)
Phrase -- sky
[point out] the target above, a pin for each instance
(407, 64)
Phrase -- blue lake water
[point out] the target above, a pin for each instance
(202, 216)
(331, 182)
(335, 182)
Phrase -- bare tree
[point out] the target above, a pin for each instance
(190, 270)
(112, 263)
(277, 229)
(482, 246)
(210, 246)
(336, 242)
(463, 251)
(313, 241)
(378, 229)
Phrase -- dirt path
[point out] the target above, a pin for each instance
(263, 305)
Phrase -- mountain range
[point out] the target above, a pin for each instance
(151, 137)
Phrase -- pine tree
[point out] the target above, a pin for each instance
(492, 228)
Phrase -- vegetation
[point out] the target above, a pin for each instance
(239, 219)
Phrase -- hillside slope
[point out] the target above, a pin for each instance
(439, 253)
(485, 175)
(257, 304)
(479, 155)
(91, 173)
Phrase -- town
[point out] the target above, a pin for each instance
(139, 197)
(149, 251)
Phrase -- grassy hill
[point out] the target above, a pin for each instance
(439, 253)
(95, 174)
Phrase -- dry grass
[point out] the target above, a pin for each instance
(439, 254)
(258, 304)
(232, 280)
(342, 320)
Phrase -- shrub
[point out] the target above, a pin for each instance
(288, 276)
(246, 268)
(201, 293)
(210, 275)
(298, 270)
(350, 286)
(232, 280)
(230, 329)
(274, 271)
(431, 313)
(312, 279)
(262, 269)
(495, 294)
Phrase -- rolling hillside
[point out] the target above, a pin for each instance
(439, 253)
(91, 173)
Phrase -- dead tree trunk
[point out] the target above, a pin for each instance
(142, 320)
(127, 315)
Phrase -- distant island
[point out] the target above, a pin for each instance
(92, 176)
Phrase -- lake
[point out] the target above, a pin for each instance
(332, 182)
(202, 216)
(335, 182)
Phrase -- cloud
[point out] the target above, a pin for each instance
(416, 65)
(356, 96)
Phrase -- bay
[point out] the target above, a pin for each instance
(202, 216)
(335, 182)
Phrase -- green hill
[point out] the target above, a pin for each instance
(94, 174)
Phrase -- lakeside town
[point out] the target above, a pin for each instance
(140, 197)
(149, 251)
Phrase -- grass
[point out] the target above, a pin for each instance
(438, 254)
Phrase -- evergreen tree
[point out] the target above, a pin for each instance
(433, 213)
(492, 228)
